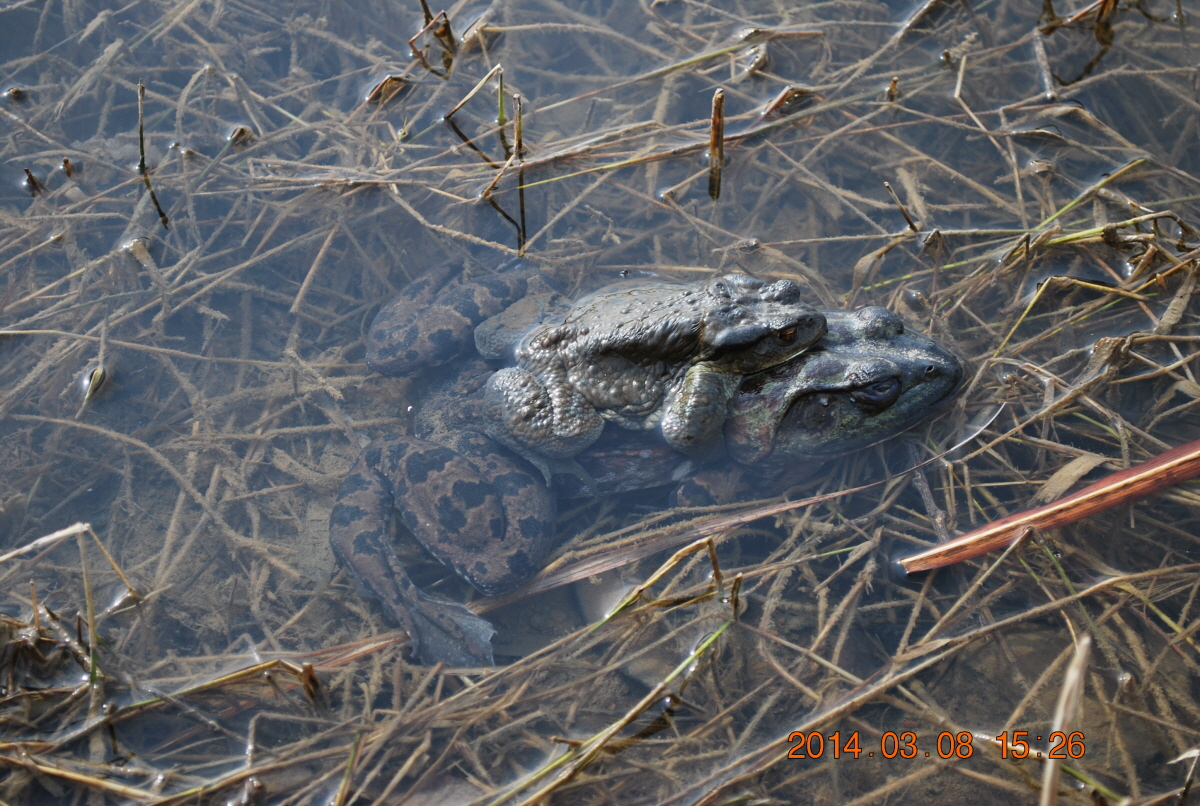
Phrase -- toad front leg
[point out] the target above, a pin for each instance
(696, 412)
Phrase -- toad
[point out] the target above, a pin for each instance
(490, 518)
(645, 356)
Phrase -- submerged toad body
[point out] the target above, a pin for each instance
(486, 516)
(645, 356)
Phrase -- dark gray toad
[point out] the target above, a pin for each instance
(488, 517)
(869, 378)
(645, 356)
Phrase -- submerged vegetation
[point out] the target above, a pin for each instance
(204, 203)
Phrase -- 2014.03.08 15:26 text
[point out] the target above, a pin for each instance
(1014, 745)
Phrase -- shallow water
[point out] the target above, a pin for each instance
(233, 340)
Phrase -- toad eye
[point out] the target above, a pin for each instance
(877, 396)
(787, 335)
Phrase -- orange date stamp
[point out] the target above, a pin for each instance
(1014, 745)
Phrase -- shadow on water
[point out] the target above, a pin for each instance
(307, 171)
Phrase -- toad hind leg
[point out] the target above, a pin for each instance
(487, 520)
(548, 427)
(438, 630)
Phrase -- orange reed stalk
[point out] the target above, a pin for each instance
(1164, 470)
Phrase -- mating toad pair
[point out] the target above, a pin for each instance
(645, 356)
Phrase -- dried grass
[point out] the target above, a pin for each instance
(1051, 183)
